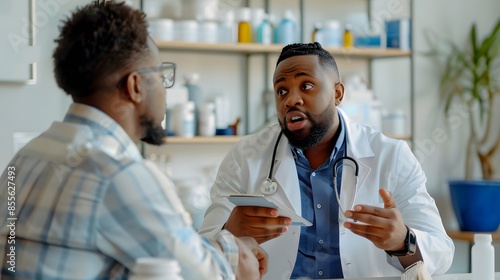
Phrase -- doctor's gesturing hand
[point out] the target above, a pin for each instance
(261, 223)
(382, 226)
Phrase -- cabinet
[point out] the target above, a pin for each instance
(248, 50)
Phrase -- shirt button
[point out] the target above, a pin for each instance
(313, 174)
(320, 272)
(321, 241)
(318, 206)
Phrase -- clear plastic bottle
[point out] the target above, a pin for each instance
(330, 34)
(258, 15)
(195, 94)
(183, 123)
(227, 29)
(287, 29)
(156, 269)
(265, 31)
(245, 26)
(208, 32)
(483, 258)
(206, 120)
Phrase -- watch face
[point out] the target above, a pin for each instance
(411, 244)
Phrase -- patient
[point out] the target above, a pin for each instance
(87, 204)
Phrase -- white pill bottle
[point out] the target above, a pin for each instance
(156, 269)
(483, 258)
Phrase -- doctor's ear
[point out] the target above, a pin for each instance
(339, 93)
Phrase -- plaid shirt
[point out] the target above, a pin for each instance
(87, 205)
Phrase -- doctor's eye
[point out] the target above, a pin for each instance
(307, 86)
(281, 91)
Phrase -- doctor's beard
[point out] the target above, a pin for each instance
(154, 133)
(320, 124)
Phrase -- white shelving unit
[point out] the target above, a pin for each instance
(247, 50)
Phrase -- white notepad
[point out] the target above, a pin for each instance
(264, 201)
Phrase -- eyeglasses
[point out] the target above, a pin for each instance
(168, 73)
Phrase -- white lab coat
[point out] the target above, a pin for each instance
(383, 163)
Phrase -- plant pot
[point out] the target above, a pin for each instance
(476, 204)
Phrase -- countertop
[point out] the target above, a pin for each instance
(461, 276)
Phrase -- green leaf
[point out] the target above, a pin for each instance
(473, 42)
(491, 44)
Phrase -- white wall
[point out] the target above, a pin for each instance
(32, 108)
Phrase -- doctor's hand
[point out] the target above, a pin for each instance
(383, 226)
(261, 223)
(252, 259)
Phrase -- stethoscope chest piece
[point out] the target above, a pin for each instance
(268, 187)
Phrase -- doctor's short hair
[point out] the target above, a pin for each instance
(96, 41)
(296, 49)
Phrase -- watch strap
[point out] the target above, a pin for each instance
(410, 245)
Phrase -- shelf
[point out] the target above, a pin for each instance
(253, 48)
(469, 236)
(203, 140)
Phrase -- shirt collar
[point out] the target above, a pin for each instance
(87, 115)
(299, 153)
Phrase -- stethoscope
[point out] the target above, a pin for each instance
(356, 172)
(269, 186)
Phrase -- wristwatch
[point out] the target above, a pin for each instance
(410, 245)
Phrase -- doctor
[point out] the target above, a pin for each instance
(383, 219)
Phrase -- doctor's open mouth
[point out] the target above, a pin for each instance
(296, 120)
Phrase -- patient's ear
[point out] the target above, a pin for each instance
(134, 89)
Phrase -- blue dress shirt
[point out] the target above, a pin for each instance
(318, 255)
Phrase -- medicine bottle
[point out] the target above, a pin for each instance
(183, 119)
(348, 36)
(330, 34)
(317, 27)
(195, 93)
(227, 32)
(483, 258)
(258, 15)
(286, 29)
(149, 268)
(206, 120)
(265, 31)
(244, 25)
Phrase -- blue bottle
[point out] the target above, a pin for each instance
(195, 95)
(265, 31)
(286, 30)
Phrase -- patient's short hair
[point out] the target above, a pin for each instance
(96, 41)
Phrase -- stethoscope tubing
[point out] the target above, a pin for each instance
(273, 159)
(269, 187)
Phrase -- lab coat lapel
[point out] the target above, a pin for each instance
(359, 148)
(286, 177)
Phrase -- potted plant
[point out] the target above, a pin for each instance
(472, 79)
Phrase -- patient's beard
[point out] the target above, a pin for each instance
(154, 133)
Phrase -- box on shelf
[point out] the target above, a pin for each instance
(398, 34)
(367, 42)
